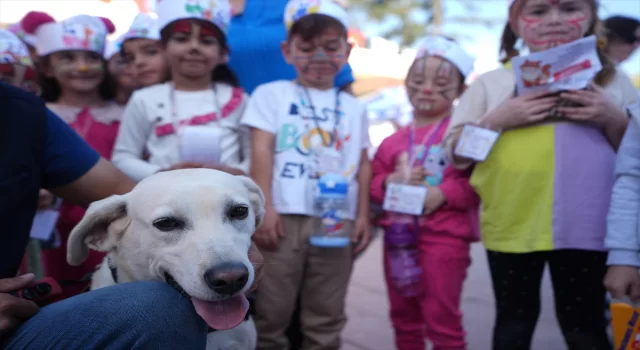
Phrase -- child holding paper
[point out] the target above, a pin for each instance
(143, 49)
(297, 128)
(448, 225)
(545, 184)
(194, 119)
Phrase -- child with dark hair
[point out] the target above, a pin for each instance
(623, 37)
(545, 186)
(76, 86)
(445, 231)
(201, 96)
(298, 127)
(120, 71)
(143, 50)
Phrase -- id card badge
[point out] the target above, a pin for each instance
(476, 142)
(200, 144)
(330, 162)
(405, 199)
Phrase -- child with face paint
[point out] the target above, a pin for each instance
(143, 49)
(546, 183)
(75, 86)
(203, 93)
(445, 231)
(120, 71)
(297, 128)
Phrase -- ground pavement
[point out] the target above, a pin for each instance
(367, 307)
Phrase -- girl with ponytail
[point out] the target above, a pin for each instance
(76, 86)
(546, 184)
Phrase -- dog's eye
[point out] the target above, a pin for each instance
(168, 224)
(238, 213)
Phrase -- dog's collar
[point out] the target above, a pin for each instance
(169, 279)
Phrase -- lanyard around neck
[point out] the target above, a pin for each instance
(427, 140)
(304, 95)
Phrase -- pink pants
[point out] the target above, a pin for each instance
(436, 314)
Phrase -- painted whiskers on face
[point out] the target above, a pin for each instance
(432, 85)
(544, 24)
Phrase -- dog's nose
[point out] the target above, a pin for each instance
(228, 278)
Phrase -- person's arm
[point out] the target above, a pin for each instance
(263, 145)
(457, 190)
(260, 115)
(622, 221)
(74, 171)
(471, 108)
(364, 183)
(128, 151)
(381, 167)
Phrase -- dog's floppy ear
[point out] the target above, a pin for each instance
(100, 229)
(256, 197)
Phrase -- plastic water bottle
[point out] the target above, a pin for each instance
(401, 239)
(331, 203)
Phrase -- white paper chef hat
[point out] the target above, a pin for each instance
(447, 49)
(297, 9)
(216, 11)
(113, 47)
(144, 26)
(17, 29)
(82, 32)
(13, 50)
(511, 2)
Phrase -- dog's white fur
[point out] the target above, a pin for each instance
(124, 227)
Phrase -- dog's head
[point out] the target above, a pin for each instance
(191, 228)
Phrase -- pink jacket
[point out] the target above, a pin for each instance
(458, 217)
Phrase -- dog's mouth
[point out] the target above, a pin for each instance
(220, 315)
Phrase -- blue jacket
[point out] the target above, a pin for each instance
(623, 230)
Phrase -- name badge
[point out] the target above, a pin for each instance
(476, 142)
(200, 144)
(405, 199)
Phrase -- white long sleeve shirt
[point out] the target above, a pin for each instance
(149, 127)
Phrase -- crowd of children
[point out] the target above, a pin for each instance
(541, 196)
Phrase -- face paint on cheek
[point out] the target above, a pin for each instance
(573, 28)
(85, 68)
(445, 69)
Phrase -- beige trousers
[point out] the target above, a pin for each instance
(320, 275)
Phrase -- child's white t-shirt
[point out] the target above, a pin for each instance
(148, 127)
(277, 108)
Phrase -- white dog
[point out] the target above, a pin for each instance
(191, 228)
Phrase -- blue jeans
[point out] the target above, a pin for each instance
(139, 315)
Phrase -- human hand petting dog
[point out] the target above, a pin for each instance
(13, 310)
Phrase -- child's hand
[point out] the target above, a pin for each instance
(268, 234)
(521, 110)
(45, 200)
(415, 176)
(595, 107)
(435, 199)
(623, 281)
(361, 234)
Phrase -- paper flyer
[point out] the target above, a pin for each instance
(567, 67)
(200, 144)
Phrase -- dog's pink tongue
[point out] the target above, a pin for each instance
(224, 314)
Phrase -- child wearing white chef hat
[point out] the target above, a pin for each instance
(192, 120)
(16, 66)
(296, 125)
(77, 87)
(446, 228)
(143, 49)
(28, 39)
